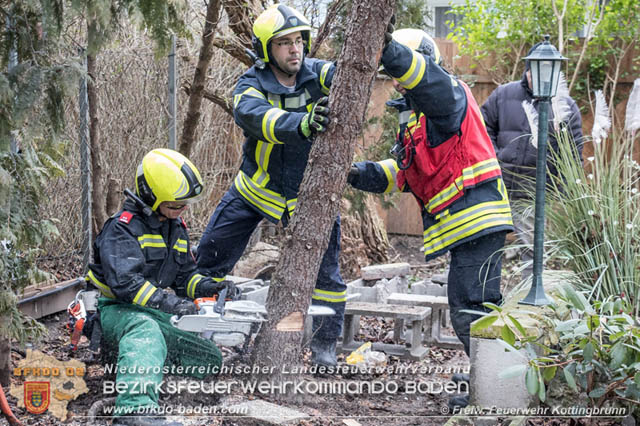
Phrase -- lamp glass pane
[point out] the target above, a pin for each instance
(546, 68)
(555, 80)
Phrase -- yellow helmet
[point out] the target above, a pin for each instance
(167, 175)
(419, 41)
(277, 21)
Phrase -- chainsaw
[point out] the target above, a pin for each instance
(230, 322)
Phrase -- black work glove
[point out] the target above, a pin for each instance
(211, 288)
(390, 29)
(173, 304)
(352, 177)
(317, 119)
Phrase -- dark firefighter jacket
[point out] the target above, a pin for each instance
(136, 257)
(451, 167)
(509, 130)
(275, 153)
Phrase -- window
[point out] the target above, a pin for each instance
(442, 21)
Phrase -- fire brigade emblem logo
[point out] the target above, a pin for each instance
(36, 397)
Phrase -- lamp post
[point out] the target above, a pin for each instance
(545, 62)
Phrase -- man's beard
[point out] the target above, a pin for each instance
(291, 69)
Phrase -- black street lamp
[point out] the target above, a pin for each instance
(545, 63)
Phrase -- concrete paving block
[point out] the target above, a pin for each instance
(367, 294)
(435, 290)
(258, 412)
(384, 288)
(377, 272)
(487, 389)
(418, 288)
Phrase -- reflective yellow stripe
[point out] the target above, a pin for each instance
(104, 289)
(413, 76)
(291, 205)
(296, 102)
(262, 155)
(323, 77)
(267, 201)
(251, 91)
(390, 168)
(145, 292)
(464, 216)
(219, 279)
(467, 230)
(181, 246)
(191, 286)
(330, 296)
(269, 124)
(151, 240)
(458, 185)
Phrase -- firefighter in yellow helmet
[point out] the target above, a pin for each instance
(141, 253)
(280, 104)
(445, 158)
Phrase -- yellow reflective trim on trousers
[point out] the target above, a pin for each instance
(262, 156)
(471, 228)
(330, 296)
(457, 185)
(390, 168)
(145, 292)
(464, 216)
(104, 289)
(412, 77)
(241, 183)
(181, 246)
(151, 240)
(291, 205)
(323, 77)
(191, 286)
(269, 124)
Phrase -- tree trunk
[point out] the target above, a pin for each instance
(307, 237)
(99, 211)
(5, 354)
(364, 238)
(199, 79)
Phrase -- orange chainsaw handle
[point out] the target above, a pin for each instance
(201, 300)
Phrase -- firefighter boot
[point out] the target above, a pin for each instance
(323, 352)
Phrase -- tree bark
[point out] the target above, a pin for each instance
(98, 211)
(5, 356)
(307, 237)
(199, 79)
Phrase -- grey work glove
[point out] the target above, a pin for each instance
(389, 31)
(317, 119)
(173, 304)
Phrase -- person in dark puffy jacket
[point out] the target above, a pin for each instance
(509, 130)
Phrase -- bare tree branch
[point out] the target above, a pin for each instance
(199, 77)
(234, 48)
(325, 28)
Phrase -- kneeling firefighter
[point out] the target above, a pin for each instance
(141, 252)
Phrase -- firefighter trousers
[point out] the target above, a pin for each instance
(145, 342)
(226, 237)
(474, 278)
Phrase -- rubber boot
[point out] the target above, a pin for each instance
(323, 352)
(457, 402)
(143, 421)
(460, 377)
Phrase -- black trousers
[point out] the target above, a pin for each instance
(474, 278)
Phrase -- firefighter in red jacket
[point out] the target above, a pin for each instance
(445, 158)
